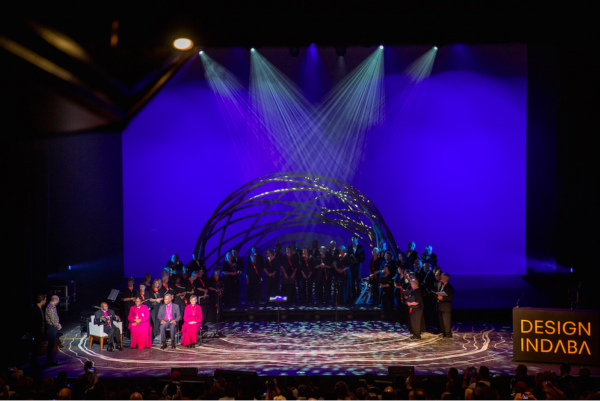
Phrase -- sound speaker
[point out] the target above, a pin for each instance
(401, 370)
(185, 372)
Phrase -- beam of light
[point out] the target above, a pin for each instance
(421, 67)
(353, 108)
(288, 117)
(233, 102)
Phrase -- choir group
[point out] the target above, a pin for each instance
(307, 275)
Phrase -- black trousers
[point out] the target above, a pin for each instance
(310, 288)
(415, 321)
(154, 319)
(327, 286)
(375, 290)
(114, 334)
(355, 281)
(51, 334)
(163, 332)
(445, 322)
(387, 302)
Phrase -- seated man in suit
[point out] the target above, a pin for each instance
(106, 317)
(168, 315)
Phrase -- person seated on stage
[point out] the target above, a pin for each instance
(429, 257)
(139, 325)
(168, 315)
(375, 268)
(105, 317)
(254, 273)
(415, 303)
(411, 255)
(192, 318)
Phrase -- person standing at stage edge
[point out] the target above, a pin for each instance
(445, 306)
(357, 256)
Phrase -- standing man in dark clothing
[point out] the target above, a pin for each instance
(429, 257)
(36, 329)
(315, 251)
(196, 264)
(175, 267)
(127, 297)
(410, 255)
(445, 306)
(357, 256)
(240, 268)
(415, 304)
(52, 327)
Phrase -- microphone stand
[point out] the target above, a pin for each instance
(217, 333)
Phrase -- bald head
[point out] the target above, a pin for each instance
(104, 306)
(136, 396)
(64, 394)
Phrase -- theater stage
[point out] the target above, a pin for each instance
(309, 348)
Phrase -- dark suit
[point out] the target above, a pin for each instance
(196, 265)
(431, 259)
(409, 260)
(37, 325)
(175, 315)
(355, 269)
(113, 332)
(445, 310)
(417, 322)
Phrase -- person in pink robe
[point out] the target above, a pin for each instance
(192, 318)
(139, 325)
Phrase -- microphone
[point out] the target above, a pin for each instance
(519, 300)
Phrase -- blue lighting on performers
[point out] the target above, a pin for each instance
(448, 139)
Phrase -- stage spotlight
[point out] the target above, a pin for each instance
(435, 47)
(252, 49)
(201, 52)
(381, 47)
(340, 51)
(294, 51)
(183, 44)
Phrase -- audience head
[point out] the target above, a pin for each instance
(565, 368)
(136, 396)
(88, 365)
(452, 374)
(360, 393)
(411, 381)
(521, 370)
(341, 391)
(64, 394)
(484, 373)
(302, 390)
(416, 394)
(370, 379)
(584, 372)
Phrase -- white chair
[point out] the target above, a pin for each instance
(97, 332)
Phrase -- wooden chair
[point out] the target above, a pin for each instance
(97, 332)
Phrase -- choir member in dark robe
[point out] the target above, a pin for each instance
(297, 257)
(342, 265)
(315, 251)
(357, 255)
(270, 269)
(383, 248)
(401, 282)
(387, 285)
(231, 279)
(127, 298)
(410, 255)
(415, 304)
(254, 271)
(196, 264)
(238, 262)
(215, 295)
(156, 300)
(190, 286)
(401, 262)
(289, 266)
(180, 294)
(323, 267)
(305, 273)
(429, 257)
(333, 250)
(144, 294)
(175, 266)
(148, 281)
(374, 274)
(201, 293)
(258, 259)
(419, 271)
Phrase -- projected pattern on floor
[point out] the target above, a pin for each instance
(309, 348)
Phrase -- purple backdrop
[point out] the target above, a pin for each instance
(446, 168)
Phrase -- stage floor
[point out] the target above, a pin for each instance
(309, 348)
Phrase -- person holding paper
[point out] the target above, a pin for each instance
(415, 304)
(445, 297)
